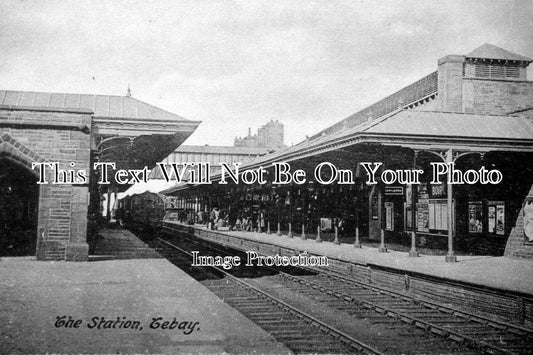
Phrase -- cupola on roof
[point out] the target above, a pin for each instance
(489, 51)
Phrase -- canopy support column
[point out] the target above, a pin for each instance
(450, 257)
(413, 252)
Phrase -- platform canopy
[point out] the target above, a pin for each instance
(402, 131)
(421, 130)
(124, 130)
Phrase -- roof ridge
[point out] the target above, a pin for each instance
(60, 93)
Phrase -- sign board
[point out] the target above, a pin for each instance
(394, 190)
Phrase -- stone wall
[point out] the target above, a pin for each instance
(35, 135)
(517, 244)
(496, 97)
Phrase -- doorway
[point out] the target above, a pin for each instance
(19, 199)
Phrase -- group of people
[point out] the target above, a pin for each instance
(241, 221)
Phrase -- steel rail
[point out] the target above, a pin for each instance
(513, 328)
(411, 320)
(328, 329)
(434, 305)
(405, 317)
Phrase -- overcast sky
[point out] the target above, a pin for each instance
(235, 65)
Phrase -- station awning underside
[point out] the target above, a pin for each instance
(134, 145)
(402, 132)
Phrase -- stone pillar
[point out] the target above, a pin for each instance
(78, 249)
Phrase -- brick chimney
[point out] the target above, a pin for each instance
(450, 78)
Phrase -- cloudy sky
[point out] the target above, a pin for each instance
(239, 64)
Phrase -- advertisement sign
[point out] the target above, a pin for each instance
(496, 217)
(422, 217)
(500, 219)
(475, 217)
(389, 216)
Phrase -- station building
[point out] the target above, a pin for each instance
(475, 112)
(66, 134)
(270, 135)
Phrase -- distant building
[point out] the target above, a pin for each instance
(268, 136)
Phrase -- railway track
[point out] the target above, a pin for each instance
(376, 303)
(480, 333)
(297, 330)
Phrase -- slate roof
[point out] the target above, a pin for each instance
(451, 124)
(424, 125)
(102, 105)
(489, 51)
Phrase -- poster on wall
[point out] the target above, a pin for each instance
(492, 219)
(422, 192)
(389, 216)
(431, 214)
(438, 215)
(500, 219)
(444, 216)
(475, 217)
(422, 217)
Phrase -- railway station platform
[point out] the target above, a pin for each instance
(108, 306)
(505, 273)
